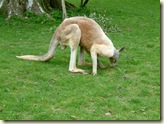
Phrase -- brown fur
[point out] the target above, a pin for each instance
(90, 31)
(83, 32)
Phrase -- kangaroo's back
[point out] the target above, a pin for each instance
(91, 32)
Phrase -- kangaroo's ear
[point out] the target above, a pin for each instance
(122, 49)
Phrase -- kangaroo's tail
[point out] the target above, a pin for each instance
(51, 51)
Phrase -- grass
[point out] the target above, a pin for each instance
(48, 91)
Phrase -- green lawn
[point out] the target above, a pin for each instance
(48, 91)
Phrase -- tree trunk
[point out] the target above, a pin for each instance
(19, 7)
(64, 9)
(83, 3)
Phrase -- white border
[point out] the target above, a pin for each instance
(106, 122)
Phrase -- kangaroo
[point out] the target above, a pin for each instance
(83, 32)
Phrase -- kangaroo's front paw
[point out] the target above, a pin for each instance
(85, 72)
(102, 66)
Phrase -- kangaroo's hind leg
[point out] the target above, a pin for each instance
(81, 59)
(73, 41)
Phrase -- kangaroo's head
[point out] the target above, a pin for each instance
(115, 57)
